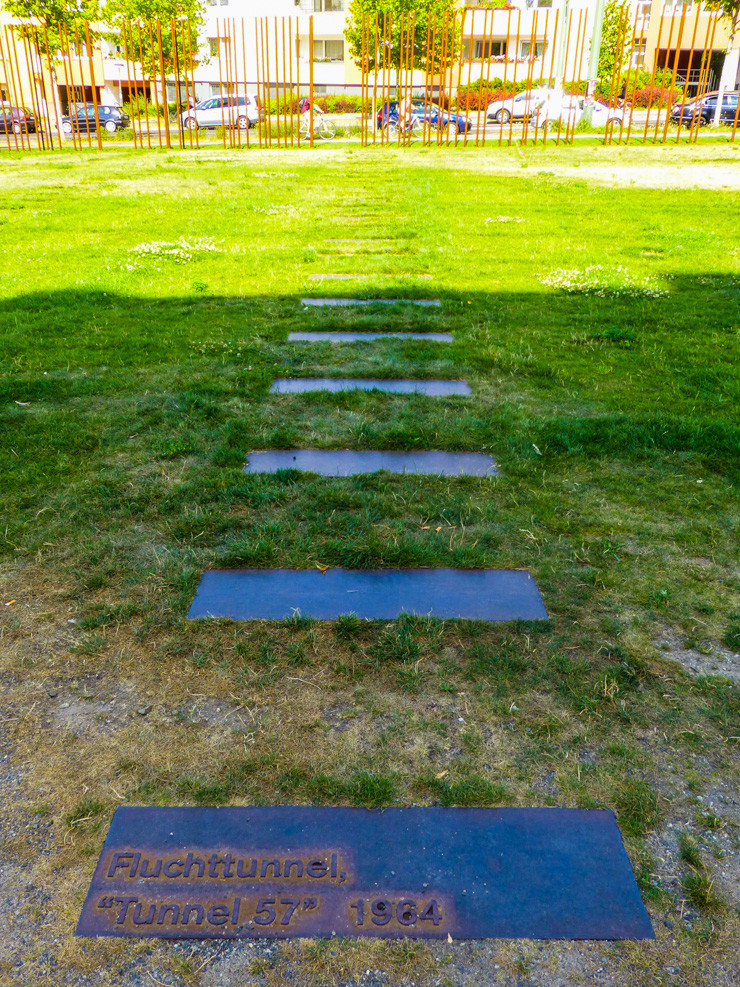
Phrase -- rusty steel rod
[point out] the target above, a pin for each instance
(651, 92)
(35, 102)
(310, 81)
(53, 89)
(14, 93)
(153, 78)
(244, 69)
(662, 81)
(165, 108)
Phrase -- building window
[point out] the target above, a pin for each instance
(319, 5)
(483, 50)
(638, 55)
(213, 44)
(544, 3)
(328, 51)
(528, 50)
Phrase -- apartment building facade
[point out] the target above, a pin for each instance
(246, 44)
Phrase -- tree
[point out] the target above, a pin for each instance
(728, 76)
(53, 27)
(131, 20)
(614, 52)
(434, 21)
(62, 19)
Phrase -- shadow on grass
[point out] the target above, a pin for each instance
(569, 374)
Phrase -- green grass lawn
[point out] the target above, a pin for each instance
(145, 302)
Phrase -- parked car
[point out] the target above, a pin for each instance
(16, 120)
(88, 119)
(517, 107)
(434, 115)
(222, 111)
(570, 110)
(701, 110)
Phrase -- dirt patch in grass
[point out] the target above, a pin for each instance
(704, 658)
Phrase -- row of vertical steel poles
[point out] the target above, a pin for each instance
(397, 60)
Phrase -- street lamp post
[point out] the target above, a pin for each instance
(593, 59)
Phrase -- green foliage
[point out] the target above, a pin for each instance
(731, 10)
(63, 21)
(614, 54)
(130, 21)
(436, 17)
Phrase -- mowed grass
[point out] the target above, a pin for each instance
(145, 302)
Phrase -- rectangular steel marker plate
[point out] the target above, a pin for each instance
(348, 462)
(431, 388)
(288, 871)
(354, 277)
(366, 337)
(373, 594)
(342, 302)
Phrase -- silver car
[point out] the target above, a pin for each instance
(222, 111)
(524, 104)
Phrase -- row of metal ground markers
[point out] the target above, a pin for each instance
(283, 871)
(380, 594)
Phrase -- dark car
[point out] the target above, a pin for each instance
(88, 119)
(434, 115)
(16, 120)
(701, 110)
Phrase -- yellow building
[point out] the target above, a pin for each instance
(674, 34)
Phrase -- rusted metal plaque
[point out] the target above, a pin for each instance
(346, 302)
(368, 337)
(420, 872)
(373, 594)
(350, 462)
(432, 388)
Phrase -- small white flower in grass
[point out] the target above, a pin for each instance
(505, 219)
(599, 281)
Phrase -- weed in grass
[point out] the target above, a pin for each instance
(364, 788)
(298, 622)
(694, 782)
(637, 807)
(91, 644)
(87, 811)
(348, 625)
(689, 850)
(710, 821)
(396, 644)
(410, 679)
(470, 790)
(648, 879)
(731, 637)
(699, 890)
